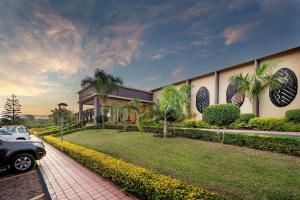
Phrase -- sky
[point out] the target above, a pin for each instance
(47, 47)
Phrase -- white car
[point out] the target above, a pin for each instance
(14, 132)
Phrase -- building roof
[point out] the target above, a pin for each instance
(131, 88)
(230, 67)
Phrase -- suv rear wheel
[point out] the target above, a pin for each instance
(23, 162)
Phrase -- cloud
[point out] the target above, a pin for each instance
(157, 56)
(236, 4)
(238, 33)
(269, 6)
(120, 45)
(203, 42)
(48, 43)
(151, 78)
(198, 9)
(177, 72)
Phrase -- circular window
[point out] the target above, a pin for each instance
(202, 99)
(234, 96)
(287, 91)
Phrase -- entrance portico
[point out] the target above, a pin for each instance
(89, 97)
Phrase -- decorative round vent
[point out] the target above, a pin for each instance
(202, 99)
(287, 90)
(233, 96)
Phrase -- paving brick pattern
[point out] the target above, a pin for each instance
(68, 179)
(20, 186)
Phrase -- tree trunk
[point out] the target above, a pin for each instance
(102, 116)
(165, 127)
(102, 121)
(255, 104)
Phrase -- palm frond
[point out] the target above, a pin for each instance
(87, 81)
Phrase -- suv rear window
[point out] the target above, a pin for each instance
(22, 130)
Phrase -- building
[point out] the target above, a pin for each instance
(214, 88)
(88, 97)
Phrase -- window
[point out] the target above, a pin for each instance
(233, 96)
(2, 132)
(287, 91)
(202, 99)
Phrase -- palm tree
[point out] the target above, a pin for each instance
(136, 106)
(253, 86)
(104, 84)
(171, 104)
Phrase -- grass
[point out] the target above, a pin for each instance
(236, 172)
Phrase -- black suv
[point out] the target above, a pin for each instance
(20, 155)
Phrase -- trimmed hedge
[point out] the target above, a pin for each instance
(175, 132)
(196, 134)
(47, 132)
(270, 143)
(267, 123)
(137, 180)
(189, 123)
(221, 114)
(245, 117)
(66, 132)
(293, 115)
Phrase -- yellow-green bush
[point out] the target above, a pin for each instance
(136, 180)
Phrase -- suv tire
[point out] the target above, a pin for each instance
(23, 162)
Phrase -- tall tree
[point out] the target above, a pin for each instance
(104, 83)
(171, 104)
(56, 115)
(12, 109)
(254, 85)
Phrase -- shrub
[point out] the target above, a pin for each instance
(137, 180)
(271, 143)
(238, 124)
(67, 132)
(221, 114)
(291, 126)
(153, 122)
(47, 132)
(99, 118)
(267, 123)
(188, 123)
(293, 115)
(245, 117)
(196, 134)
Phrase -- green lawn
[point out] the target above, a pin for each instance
(237, 172)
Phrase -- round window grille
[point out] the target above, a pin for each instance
(233, 96)
(202, 99)
(287, 91)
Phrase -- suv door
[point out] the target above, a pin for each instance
(6, 135)
(2, 154)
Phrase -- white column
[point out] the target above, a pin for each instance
(96, 108)
(80, 114)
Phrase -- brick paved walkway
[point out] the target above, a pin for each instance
(68, 179)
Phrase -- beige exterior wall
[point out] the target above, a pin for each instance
(291, 61)
(209, 83)
(224, 82)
